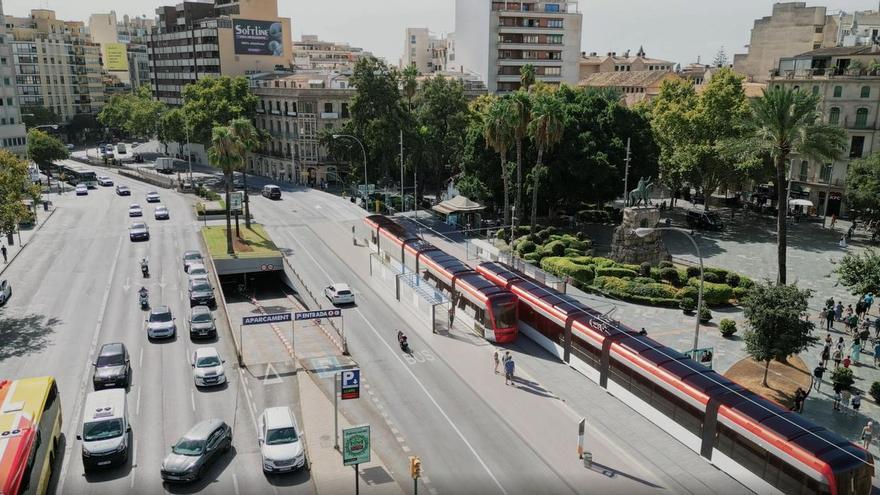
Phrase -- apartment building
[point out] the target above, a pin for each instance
(57, 65)
(612, 62)
(12, 131)
(425, 51)
(294, 109)
(494, 39)
(850, 92)
(193, 40)
(123, 46)
(310, 53)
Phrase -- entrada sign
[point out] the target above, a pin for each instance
(311, 315)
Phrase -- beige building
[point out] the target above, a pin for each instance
(792, 28)
(494, 39)
(194, 40)
(310, 53)
(635, 86)
(424, 50)
(850, 93)
(57, 65)
(294, 109)
(612, 62)
(123, 47)
(12, 131)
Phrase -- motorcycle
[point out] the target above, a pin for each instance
(144, 299)
(145, 269)
(404, 345)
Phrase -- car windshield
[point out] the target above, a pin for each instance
(102, 430)
(138, 226)
(280, 435)
(134, 207)
(207, 362)
(201, 317)
(197, 270)
(192, 256)
(188, 446)
(201, 285)
(160, 317)
(110, 360)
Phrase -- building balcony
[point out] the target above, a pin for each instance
(329, 115)
(819, 181)
(291, 113)
(261, 110)
(275, 112)
(533, 61)
(823, 74)
(506, 45)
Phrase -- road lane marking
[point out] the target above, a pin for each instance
(192, 399)
(133, 464)
(137, 404)
(77, 408)
(141, 359)
(243, 380)
(413, 376)
(235, 483)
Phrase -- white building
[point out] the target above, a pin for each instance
(12, 131)
(494, 39)
(424, 50)
(310, 53)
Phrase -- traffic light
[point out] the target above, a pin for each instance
(415, 467)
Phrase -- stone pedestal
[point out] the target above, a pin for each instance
(627, 247)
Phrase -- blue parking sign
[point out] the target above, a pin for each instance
(351, 384)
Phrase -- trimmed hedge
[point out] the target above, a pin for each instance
(594, 216)
(670, 275)
(554, 248)
(714, 294)
(583, 274)
(525, 247)
(616, 272)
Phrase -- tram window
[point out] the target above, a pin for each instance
(641, 387)
(790, 479)
(724, 439)
(690, 418)
(505, 313)
(620, 374)
(662, 400)
(585, 352)
(749, 455)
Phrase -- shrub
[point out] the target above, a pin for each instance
(551, 230)
(714, 294)
(582, 260)
(709, 277)
(721, 273)
(746, 282)
(582, 236)
(645, 269)
(655, 290)
(690, 292)
(693, 271)
(643, 280)
(603, 262)
(727, 327)
(200, 208)
(687, 304)
(576, 244)
(525, 247)
(522, 229)
(594, 216)
(535, 256)
(705, 314)
(670, 275)
(566, 267)
(875, 391)
(843, 378)
(739, 293)
(554, 248)
(213, 196)
(573, 253)
(616, 272)
(543, 235)
(732, 279)
(627, 266)
(666, 264)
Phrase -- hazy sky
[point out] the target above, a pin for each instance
(676, 30)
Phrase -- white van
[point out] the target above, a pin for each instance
(105, 432)
(165, 164)
(272, 191)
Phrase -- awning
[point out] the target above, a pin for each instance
(458, 204)
(800, 202)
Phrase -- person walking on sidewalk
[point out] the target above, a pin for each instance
(856, 401)
(853, 323)
(826, 355)
(845, 394)
(837, 356)
(846, 362)
(829, 318)
(855, 350)
(860, 308)
(495, 358)
(799, 396)
(877, 327)
(837, 399)
(867, 434)
(818, 372)
(869, 301)
(508, 371)
(3, 250)
(838, 310)
(877, 352)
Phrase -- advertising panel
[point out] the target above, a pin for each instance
(117, 61)
(258, 37)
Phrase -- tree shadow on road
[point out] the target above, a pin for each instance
(24, 335)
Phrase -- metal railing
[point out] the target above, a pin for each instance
(339, 339)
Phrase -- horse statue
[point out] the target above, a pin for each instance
(641, 193)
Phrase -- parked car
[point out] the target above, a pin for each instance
(280, 441)
(207, 367)
(103, 180)
(135, 210)
(196, 450)
(161, 213)
(201, 323)
(5, 291)
(139, 232)
(82, 190)
(112, 368)
(339, 294)
(123, 190)
(201, 292)
(160, 323)
(197, 270)
(69, 146)
(709, 220)
(191, 257)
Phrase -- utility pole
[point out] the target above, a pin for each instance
(415, 191)
(626, 173)
(402, 201)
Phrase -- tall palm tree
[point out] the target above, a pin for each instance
(498, 133)
(545, 129)
(244, 132)
(522, 115)
(409, 83)
(526, 76)
(787, 121)
(225, 154)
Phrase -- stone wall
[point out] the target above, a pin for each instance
(627, 247)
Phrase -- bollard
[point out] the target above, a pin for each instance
(588, 459)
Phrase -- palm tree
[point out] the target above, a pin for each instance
(225, 154)
(787, 121)
(545, 129)
(244, 132)
(498, 133)
(522, 115)
(526, 76)
(410, 83)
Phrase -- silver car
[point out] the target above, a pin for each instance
(195, 451)
(190, 258)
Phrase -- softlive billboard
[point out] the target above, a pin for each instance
(258, 37)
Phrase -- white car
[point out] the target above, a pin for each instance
(197, 270)
(5, 291)
(339, 294)
(161, 323)
(82, 190)
(152, 197)
(161, 213)
(103, 180)
(207, 367)
(139, 232)
(280, 441)
(135, 211)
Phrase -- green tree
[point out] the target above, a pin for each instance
(410, 83)
(860, 272)
(863, 185)
(472, 187)
(376, 113)
(44, 149)
(172, 128)
(498, 134)
(526, 76)
(786, 122)
(521, 117)
(225, 154)
(215, 101)
(546, 129)
(116, 112)
(248, 139)
(778, 321)
(34, 115)
(15, 187)
(145, 113)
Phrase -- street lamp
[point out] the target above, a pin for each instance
(364, 151)
(645, 231)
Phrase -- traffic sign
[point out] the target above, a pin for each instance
(351, 384)
(356, 445)
(235, 200)
(323, 313)
(263, 319)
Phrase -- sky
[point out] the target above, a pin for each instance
(676, 30)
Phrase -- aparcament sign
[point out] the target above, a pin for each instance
(258, 37)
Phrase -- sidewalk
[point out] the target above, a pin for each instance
(26, 235)
(329, 474)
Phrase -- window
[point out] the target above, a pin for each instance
(9, 101)
(866, 92)
(862, 118)
(816, 46)
(549, 7)
(856, 146)
(819, 29)
(834, 116)
(328, 107)
(345, 110)
(553, 23)
(805, 167)
(815, 90)
(838, 91)
(552, 71)
(825, 175)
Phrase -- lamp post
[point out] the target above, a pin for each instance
(188, 153)
(644, 231)
(364, 151)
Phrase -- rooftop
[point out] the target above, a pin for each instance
(638, 78)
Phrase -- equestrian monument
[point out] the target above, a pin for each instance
(626, 246)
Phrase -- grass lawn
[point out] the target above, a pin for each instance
(254, 242)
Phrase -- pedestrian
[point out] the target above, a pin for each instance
(840, 343)
(846, 362)
(836, 356)
(837, 398)
(845, 394)
(867, 434)
(828, 340)
(877, 327)
(853, 323)
(826, 354)
(856, 401)
(799, 396)
(877, 352)
(829, 318)
(860, 308)
(833, 221)
(855, 350)
(869, 301)
(838, 310)
(507, 357)
(829, 303)
(508, 371)
(3, 250)
(818, 372)
(847, 312)
(495, 358)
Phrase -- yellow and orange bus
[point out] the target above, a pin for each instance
(30, 430)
